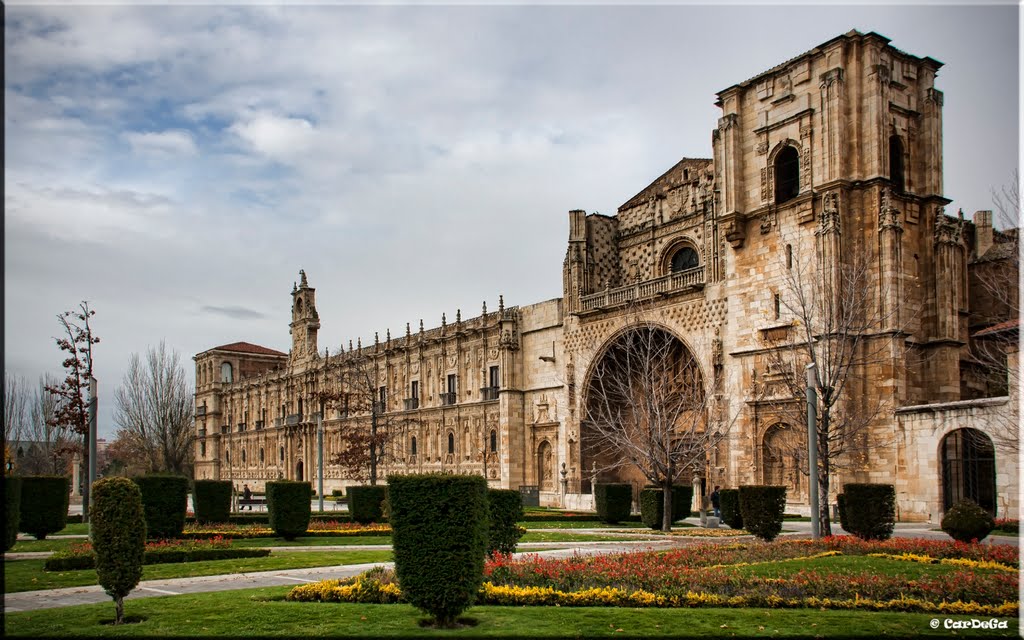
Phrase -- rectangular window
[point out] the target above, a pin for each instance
(383, 397)
(415, 390)
(452, 383)
(778, 306)
(493, 378)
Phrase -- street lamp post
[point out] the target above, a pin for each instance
(93, 403)
(320, 458)
(812, 448)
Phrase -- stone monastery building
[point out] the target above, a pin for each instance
(825, 178)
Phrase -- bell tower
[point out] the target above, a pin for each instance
(305, 320)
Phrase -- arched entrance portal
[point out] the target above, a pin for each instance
(545, 470)
(968, 469)
(298, 471)
(783, 458)
(645, 408)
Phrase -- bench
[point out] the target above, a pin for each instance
(255, 501)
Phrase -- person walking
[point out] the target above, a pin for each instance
(246, 498)
(716, 502)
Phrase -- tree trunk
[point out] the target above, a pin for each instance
(666, 502)
(119, 609)
(825, 525)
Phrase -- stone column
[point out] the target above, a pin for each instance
(76, 476)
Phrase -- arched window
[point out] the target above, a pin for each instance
(412, 445)
(896, 164)
(282, 454)
(787, 174)
(789, 256)
(261, 455)
(968, 469)
(685, 258)
(243, 456)
(494, 441)
(227, 457)
(451, 442)
(202, 449)
(225, 372)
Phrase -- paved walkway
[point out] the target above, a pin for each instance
(48, 599)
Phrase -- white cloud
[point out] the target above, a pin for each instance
(161, 143)
(278, 138)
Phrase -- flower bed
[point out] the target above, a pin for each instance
(328, 529)
(80, 556)
(714, 575)
(694, 532)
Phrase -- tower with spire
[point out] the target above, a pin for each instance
(305, 320)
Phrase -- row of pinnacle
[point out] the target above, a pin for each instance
(408, 330)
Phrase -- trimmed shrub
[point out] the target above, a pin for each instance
(505, 507)
(338, 493)
(211, 500)
(366, 504)
(841, 505)
(869, 511)
(439, 536)
(966, 521)
(729, 506)
(118, 537)
(164, 502)
(652, 508)
(12, 509)
(761, 508)
(682, 500)
(44, 505)
(289, 508)
(613, 501)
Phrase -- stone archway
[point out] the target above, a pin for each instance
(545, 467)
(644, 393)
(968, 469)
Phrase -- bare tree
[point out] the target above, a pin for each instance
(15, 404)
(51, 446)
(836, 323)
(72, 409)
(373, 429)
(647, 407)
(154, 409)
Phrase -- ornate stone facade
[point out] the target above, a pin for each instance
(829, 158)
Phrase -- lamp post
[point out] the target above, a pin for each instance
(812, 448)
(93, 403)
(320, 459)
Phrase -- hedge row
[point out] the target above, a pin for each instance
(164, 502)
(729, 507)
(159, 556)
(559, 517)
(868, 511)
(366, 503)
(761, 508)
(12, 510)
(652, 504)
(288, 504)
(211, 500)
(44, 505)
(506, 508)
(614, 501)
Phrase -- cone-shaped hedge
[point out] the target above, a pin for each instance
(289, 507)
(118, 537)
(211, 500)
(164, 502)
(439, 536)
(506, 508)
(729, 506)
(44, 505)
(762, 508)
(12, 509)
(366, 504)
(613, 501)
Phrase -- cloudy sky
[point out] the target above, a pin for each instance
(177, 166)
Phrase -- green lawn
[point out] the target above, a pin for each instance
(310, 542)
(50, 544)
(28, 575)
(262, 612)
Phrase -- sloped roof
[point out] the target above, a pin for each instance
(1002, 327)
(248, 347)
(669, 179)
